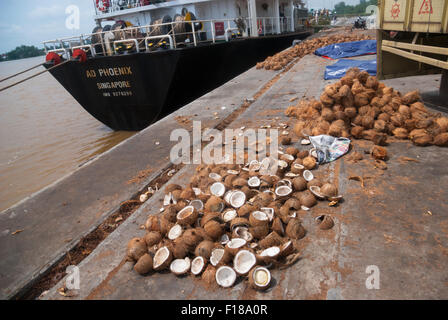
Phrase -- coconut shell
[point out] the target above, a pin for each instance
(326, 100)
(384, 116)
(152, 223)
(423, 140)
(357, 132)
(329, 190)
(165, 264)
(443, 123)
(379, 153)
(210, 216)
(214, 229)
(295, 230)
(165, 226)
(291, 151)
(179, 248)
(379, 126)
(214, 204)
(441, 139)
(170, 213)
(299, 184)
(239, 182)
(208, 276)
(253, 283)
(245, 210)
(272, 239)
(187, 194)
(204, 249)
(256, 222)
(400, 133)
(192, 237)
(309, 163)
(315, 182)
(374, 136)
(259, 232)
(404, 111)
(152, 238)
(277, 226)
(361, 99)
(136, 249)
(240, 221)
(308, 200)
(325, 222)
(302, 154)
(328, 114)
(292, 203)
(367, 122)
(372, 82)
(144, 265)
(350, 112)
(410, 97)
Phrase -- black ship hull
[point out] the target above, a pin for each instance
(131, 91)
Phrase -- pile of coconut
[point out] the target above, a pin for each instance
(360, 106)
(282, 59)
(234, 221)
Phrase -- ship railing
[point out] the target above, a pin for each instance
(148, 37)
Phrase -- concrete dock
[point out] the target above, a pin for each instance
(385, 224)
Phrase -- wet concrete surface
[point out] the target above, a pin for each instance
(55, 219)
(398, 222)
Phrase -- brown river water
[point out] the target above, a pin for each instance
(44, 133)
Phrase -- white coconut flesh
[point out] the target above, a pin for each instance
(169, 199)
(237, 199)
(288, 157)
(197, 204)
(197, 191)
(180, 266)
(316, 191)
(185, 212)
(283, 191)
(143, 197)
(225, 276)
(286, 246)
(308, 175)
(254, 165)
(160, 257)
(236, 243)
(244, 261)
(298, 166)
(197, 265)
(270, 252)
(217, 189)
(232, 172)
(291, 175)
(229, 215)
(261, 277)
(254, 182)
(215, 176)
(216, 256)
(227, 196)
(175, 232)
(304, 208)
(282, 164)
(269, 212)
(260, 216)
(284, 183)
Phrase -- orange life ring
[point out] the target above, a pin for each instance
(102, 5)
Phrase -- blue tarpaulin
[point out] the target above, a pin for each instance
(339, 69)
(347, 49)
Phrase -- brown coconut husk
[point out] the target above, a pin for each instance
(171, 187)
(443, 123)
(299, 184)
(208, 276)
(152, 238)
(204, 249)
(295, 230)
(309, 163)
(410, 97)
(325, 222)
(379, 153)
(259, 232)
(144, 265)
(214, 229)
(136, 249)
(441, 139)
(272, 239)
(400, 133)
(213, 204)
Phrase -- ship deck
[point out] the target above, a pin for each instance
(386, 223)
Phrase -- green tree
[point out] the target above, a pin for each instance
(23, 52)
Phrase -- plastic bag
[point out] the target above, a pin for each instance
(329, 148)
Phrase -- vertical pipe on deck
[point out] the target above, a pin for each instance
(291, 5)
(276, 15)
(252, 6)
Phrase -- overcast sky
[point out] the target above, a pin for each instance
(32, 21)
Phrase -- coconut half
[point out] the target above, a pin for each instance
(180, 266)
(215, 176)
(260, 278)
(197, 204)
(217, 189)
(283, 191)
(225, 276)
(269, 212)
(254, 165)
(237, 199)
(197, 265)
(270, 253)
(227, 196)
(224, 239)
(316, 191)
(162, 259)
(187, 216)
(305, 142)
(218, 256)
(235, 244)
(254, 182)
(169, 199)
(229, 215)
(175, 232)
(308, 175)
(243, 233)
(257, 218)
(244, 262)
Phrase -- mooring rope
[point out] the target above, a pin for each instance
(34, 75)
(19, 73)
